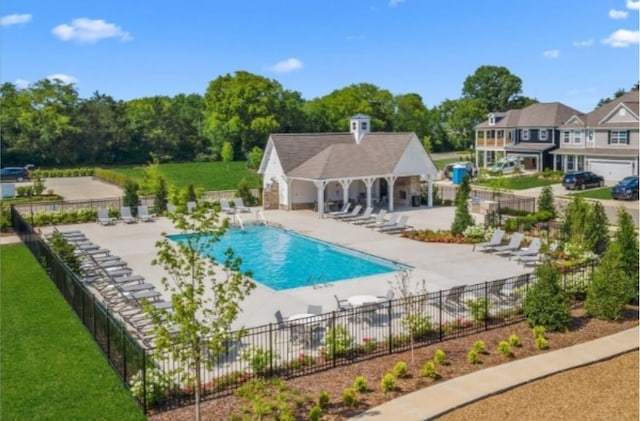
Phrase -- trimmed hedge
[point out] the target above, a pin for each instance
(59, 172)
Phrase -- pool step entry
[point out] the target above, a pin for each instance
(318, 281)
(238, 220)
(260, 217)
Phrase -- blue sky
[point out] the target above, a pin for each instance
(571, 51)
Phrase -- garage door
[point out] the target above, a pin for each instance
(611, 170)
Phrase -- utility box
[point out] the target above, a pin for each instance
(458, 174)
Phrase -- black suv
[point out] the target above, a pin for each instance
(581, 180)
(10, 174)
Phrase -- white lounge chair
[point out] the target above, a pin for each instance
(225, 207)
(356, 210)
(495, 240)
(126, 216)
(531, 250)
(343, 211)
(393, 219)
(514, 244)
(399, 226)
(239, 206)
(104, 218)
(378, 219)
(144, 215)
(366, 216)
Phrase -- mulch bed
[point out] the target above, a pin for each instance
(582, 329)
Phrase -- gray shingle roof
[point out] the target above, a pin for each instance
(337, 155)
(630, 100)
(541, 114)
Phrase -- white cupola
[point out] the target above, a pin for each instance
(359, 125)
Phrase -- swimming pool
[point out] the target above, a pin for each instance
(282, 259)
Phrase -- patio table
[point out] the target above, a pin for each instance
(362, 300)
(303, 327)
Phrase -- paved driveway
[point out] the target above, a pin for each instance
(82, 188)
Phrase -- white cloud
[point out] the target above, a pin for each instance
(286, 66)
(15, 19)
(585, 43)
(622, 38)
(551, 53)
(633, 5)
(618, 14)
(394, 3)
(21, 83)
(89, 30)
(66, 79)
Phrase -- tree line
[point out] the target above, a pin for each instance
(48, 124)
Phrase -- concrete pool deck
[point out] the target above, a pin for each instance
(442, 266)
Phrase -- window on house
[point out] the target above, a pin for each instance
(354, 125)
(525, 134)
(618, 137)
(543, 134)
(590, 136)
(492, 119)
(364, 125)
(571, 163)
(577, 137)
(566, 136)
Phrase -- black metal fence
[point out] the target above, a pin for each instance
(294, 346)
(503, 200)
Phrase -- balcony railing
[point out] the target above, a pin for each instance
(495, 142)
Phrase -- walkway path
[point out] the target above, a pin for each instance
(436, 400)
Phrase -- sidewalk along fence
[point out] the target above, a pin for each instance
(295, 348)
(124, 353)
(331, 340)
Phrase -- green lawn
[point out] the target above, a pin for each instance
(602, 193)
(518, 182)
(50, 367)
(440, 163)
(208, 175)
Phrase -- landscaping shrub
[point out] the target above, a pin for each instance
(478, 309)
(112, 176)
(597, 225)
(315, 413)
(609, 290)
(418, 325)
(546, 201)
(429, 370)
(505, 349)
(541, 342)
(156, 388)
(388, 383)
(538, 331)
(349, 397)
(338, 341)
(259, 359)
(323, 399)
(479, 346)
(360, 384)
(66, 251)
(627, 239)
(131, 197)
(463, 218)
(473, 357)
(439, 357)
(400, 370)
(546, 303)
(514, 340)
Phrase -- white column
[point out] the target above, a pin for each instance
(390, 181)
(289, 193)
(368, 182)
(345, 183)
(320, 184)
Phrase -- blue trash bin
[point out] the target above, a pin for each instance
(458, 174)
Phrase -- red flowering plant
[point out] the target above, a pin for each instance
(369, 344)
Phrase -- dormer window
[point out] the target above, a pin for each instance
(525, 134)
(363, 125)
(492, 119)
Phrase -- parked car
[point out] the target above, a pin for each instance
(470, 169)
(506, 166)
(581, 180)
(626, 189)
(12, 174)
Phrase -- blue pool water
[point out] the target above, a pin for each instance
(283, 259)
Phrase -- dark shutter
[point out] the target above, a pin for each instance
(609, 138)
(628, 137)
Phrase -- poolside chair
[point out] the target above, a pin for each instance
(393, 219)
(238, 204)
(453, 302)
(366, 216)
(533, 260)
(104, 218)
(126, 216)
(342, 305)
(495, 240)
(144, 215)
(388, 297)
(531, 250)
(343, 211)
(398, 227)
(225, 207)
(373, 219)
(514, 244)
(356, 210)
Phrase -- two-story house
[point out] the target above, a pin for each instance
(604, 141)
(529, 134)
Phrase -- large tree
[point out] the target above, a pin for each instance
(244, 109)
(497, 87)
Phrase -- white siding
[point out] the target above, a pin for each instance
(415, 161)
(273, 172)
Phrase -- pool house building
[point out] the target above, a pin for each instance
(322, 171)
